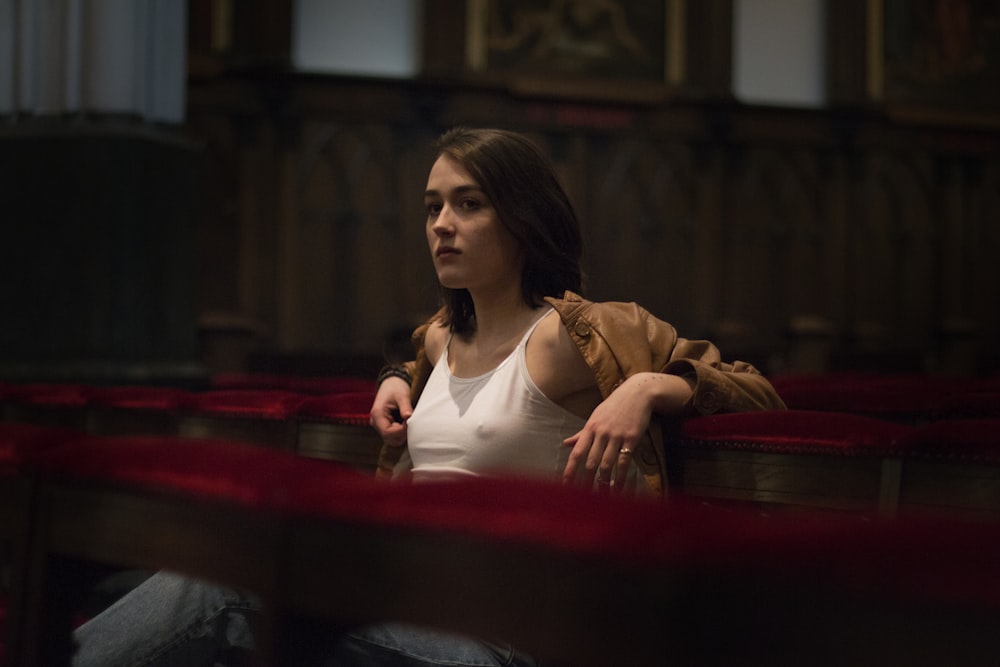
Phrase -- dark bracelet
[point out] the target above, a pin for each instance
(393, 371)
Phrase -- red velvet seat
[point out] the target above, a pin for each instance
(47, 404)
(336, 427)
(969, 405)
(147, 410)
(20, 446)
(953, 466)
(297, 383)
(210, 508)
(261, 416)
(20, 443)
(205, 468)
(702, 585)
(834, 460)
(791, 381)
(908, 398)
(330, 385)
(570, 576)
(145, 398)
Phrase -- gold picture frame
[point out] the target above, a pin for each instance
(933, 58)
(605, 48)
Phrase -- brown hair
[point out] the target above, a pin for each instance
(521, 184)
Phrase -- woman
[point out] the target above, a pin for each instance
(516, 375)
(506, 246)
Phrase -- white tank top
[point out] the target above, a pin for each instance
(498, 423)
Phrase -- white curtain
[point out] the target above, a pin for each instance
(93, 56)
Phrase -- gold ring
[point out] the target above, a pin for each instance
(624, 450)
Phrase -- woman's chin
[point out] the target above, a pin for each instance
(449, 281)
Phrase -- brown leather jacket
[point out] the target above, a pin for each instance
(618, 340)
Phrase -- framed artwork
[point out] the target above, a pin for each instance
(565, 43)
(935, 55)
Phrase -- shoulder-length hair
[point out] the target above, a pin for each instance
(521, 184)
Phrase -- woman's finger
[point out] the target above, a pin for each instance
(576, 464)
(623, 464)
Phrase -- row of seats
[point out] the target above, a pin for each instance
(844, 459)
(839, 461)
(911, 398)
(323, 417)
(572, 577)
(904, 397)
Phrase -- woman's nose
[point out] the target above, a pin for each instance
(443, 223)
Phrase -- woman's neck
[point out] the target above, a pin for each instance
(500, 317)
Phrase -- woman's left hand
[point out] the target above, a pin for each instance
(607, 441)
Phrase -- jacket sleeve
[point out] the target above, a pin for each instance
(719, 386)
(620, 339)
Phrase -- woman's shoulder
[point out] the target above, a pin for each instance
(555, 362)
(435, 339)
(612, 314)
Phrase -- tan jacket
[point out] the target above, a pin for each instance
(618, 340)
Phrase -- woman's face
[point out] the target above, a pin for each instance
(470, 247)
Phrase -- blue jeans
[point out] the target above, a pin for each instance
(173, 621)
(168, 620)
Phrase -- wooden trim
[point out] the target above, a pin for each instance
(875, 30)
(848, 44)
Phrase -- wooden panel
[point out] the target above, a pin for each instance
(799, 238)
(850, 484)
(278, 433)
(952, 489)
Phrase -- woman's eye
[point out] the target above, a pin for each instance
(433, 209)
(469, 204)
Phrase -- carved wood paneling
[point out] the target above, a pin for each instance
(787, 236)
(893, 289)
(641, 229)
(349, 236)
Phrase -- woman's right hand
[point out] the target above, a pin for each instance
(390, 411)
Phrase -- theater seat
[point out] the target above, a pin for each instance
(136, 410)
(572, 577)
(20, 445)
(952, 467)
(47, 404)
(206, 507)
(265, 417)
(336, 427)
(818, 459)
(317, 385)
(905, 398)
(969, 405)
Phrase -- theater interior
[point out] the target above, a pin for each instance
(212, 240)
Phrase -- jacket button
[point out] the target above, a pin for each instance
(581, 328)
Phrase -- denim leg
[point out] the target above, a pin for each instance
(168, 620)
(403, 645)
